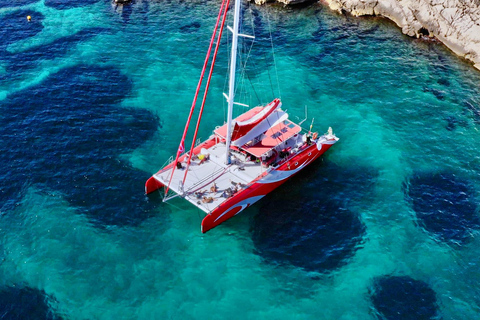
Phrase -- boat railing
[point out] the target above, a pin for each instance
(168, 161)
(171, 194)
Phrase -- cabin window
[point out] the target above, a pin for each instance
(276, 135)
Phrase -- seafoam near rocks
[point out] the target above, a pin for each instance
(456, 23)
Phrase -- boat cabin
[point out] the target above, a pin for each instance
(269, 140)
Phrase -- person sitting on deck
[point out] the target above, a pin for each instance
(229, 192)
(213, 188)
(309, 140)
(203, 158)
(199, 194)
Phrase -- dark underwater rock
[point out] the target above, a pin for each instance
(67, 134)
(19, 62)
(444, 205)
(308, 224)
(440, 95)
(16, 3)
(403, 298)
(25, 303)
(314, 235)
(444, 82)
(15, 27)
(451, 123)
(473, 109)
(68, 4)
(191, 27)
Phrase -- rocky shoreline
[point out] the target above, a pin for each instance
(456, 23)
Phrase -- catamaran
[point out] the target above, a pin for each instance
(243, 160)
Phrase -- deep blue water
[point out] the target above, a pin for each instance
(93, 100)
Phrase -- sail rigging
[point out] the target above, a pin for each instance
(181, 147)
(212, 65)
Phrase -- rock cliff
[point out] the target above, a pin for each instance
(456, 23)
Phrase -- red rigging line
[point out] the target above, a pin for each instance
(206, 90)
(181, 147)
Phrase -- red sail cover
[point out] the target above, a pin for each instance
(241, 128)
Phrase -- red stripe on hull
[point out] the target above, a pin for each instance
(257, 190)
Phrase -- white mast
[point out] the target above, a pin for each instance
(231, 87)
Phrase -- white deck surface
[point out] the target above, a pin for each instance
(200, 177)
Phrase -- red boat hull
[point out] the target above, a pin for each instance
(262, 186)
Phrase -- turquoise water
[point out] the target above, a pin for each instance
(93, 100)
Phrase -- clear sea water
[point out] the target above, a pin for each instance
(94, 98)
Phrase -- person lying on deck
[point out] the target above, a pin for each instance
(207, 200)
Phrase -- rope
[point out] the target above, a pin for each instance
(206, 90)
(273, 54)
(269, 78)
(181, 147)
(253, 88)
(244, 68)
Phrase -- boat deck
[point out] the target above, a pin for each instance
(199, 184)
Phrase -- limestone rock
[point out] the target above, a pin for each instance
(454, 22)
